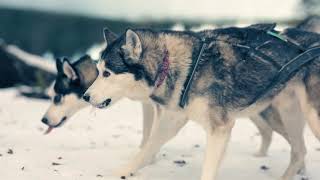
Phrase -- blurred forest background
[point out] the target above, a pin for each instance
(68, 27)
(52, 28)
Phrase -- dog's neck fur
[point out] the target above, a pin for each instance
(163, 70)
(181, 52)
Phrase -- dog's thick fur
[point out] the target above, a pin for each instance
(227, 81)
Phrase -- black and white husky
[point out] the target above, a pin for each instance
(73, 78)
(234, 78)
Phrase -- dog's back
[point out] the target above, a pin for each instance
(238, 66)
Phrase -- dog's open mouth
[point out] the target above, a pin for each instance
(104, 104)
(50, 128)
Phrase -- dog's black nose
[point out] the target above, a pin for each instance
(86, 97)
(44, 120)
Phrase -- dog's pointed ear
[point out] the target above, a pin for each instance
(68, 70)
(85, 57)
(59, 64)
(109, 36)
(132, 48)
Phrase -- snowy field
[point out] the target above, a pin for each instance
(95, 143)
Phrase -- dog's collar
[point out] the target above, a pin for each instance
(163, 71)
(192, 71)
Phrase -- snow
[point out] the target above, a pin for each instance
(178, 27)
(203, 27)
(97, 142)
(95, 51)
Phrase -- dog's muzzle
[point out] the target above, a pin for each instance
(50, 127)
(86, 97)
(46, 122)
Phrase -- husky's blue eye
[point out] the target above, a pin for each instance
(106, 74)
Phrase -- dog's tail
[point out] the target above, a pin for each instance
(311, 24)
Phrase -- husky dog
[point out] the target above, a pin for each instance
(72, 80)
(70, 84)
(266, 121)
(66, 101)
(66, 93)
(229, 82)
(85, 64)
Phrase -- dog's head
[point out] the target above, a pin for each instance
(72, 80)
(122, 70)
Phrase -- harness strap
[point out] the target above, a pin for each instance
(290, 67)
(286, 39)
(187, 84)
(284, 73)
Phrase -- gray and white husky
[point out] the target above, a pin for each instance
(66, 101)
(230, 82)
(73, 78)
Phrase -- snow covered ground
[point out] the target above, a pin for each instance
(96, 142)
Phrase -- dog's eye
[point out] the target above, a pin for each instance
(106, 74)
(57, 99)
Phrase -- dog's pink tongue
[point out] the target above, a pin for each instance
(48, 130)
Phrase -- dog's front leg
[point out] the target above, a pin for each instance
(148, 117)
(217, 140)
(165, 127)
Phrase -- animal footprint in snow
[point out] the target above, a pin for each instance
(56, 164)
(116, 136)
(264, 168)
(180, 163)
(10, 151)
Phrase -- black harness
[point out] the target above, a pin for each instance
(192, 71)
(284, 73)
(291, 67)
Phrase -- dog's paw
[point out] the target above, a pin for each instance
(288, 178)
(124, 173)
(302, 171)
(303, 175)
